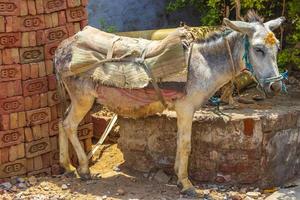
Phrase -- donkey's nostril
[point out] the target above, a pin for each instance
(276, 87)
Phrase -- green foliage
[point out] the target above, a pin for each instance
(211, 12)
(105, 27)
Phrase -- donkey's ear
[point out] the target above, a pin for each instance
(242, 27)
(275, 23)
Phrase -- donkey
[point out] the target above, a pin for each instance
(251, 45)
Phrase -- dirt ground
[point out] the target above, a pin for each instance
(116, 183)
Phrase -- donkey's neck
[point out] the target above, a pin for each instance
(211, 64)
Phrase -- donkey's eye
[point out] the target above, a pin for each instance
(259, 50)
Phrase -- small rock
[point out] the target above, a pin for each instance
(254, 195)
(116, 169)
(6, 185)
(243, 190)
(14, 188)
(20, 180)
(104, 197)
(22, 185)
(32, 180)
(64, 187)
(120, 192)
(161, 177)
(248, 198)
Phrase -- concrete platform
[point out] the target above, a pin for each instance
(257, 146)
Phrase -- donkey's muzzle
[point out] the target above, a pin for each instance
(274, 88)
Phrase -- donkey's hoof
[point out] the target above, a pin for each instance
(85, 176)
(190, 192)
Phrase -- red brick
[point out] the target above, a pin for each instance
(29, 164)
(9, 24)
(53, 98)
(248, 127)
(85, 131)
(8, 40)
(40, 37)
(1, 59)
(31, 54)
(10, 88)
(42, 69)
(84, 2)
(54, 143)
(73, 3)
(11, 137)
(71, 30)
(54, 114)
(13, 153)
(40, 173)
(21, 150)
(28, 134)
(39, 6)
(10, 56)
(28, 103)
(23, 8)
(36, 101)
(76, 14)
(2, 24)
(54, 5)
(53, 127)
(31, 23)
(52, 82)
(83, 24)
(32, 38)
(4, 153)
(46, 158)
(15, 168)
(13, 119)
(38, 147)
(37, 163)
(38, 116)
(34, 70)
(50, 50)
(88, 145)
(227, 167)
(25, 71)
(56, 34)
(31, 7)
(44, 100)
(76, 27)
(35, 86)
(55, 156)
(49, 67)
(48, 21)
(36, 132)
(4, 122)
(62, 20)
(22, 119)
(54, 17)
(45, 130)
(56, 169)
(25, 39)
(9, 7)
(12, 104)
(10, 72)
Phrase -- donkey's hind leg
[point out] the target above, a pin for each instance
(79, 108)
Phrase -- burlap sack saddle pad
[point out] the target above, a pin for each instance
(116, 61)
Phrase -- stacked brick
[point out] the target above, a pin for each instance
(30, 31)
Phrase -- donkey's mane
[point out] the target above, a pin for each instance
(214, 36)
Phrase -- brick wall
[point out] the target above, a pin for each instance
(30, 31)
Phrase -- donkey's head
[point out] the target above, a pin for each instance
(261, 47)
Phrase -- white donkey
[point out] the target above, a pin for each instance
(252, 45)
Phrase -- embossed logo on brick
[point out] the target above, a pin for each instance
(10, 40)
(38, 116)
(85, 131)
(50, 49)
(13, 104)
(35, 86)
(15, 168)
(53, 128)
(30, 23)
(29, 55)
(9, 7)
(56, 34)
(76, 14)
(11, 137)
(54, 5)
(36, 148)
(10, 72)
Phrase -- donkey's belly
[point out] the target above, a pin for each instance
(134, 103)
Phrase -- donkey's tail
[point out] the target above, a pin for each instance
(61, 93)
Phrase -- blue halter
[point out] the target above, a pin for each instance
(249, 67)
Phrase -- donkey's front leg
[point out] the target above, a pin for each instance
(185, 115)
